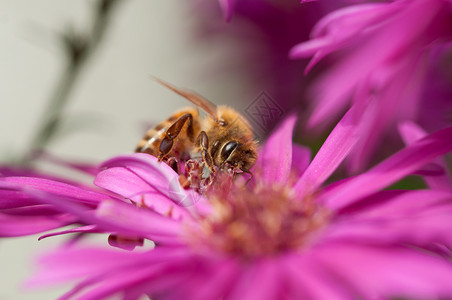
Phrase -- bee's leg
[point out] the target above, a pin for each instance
(173, 163)
(248, 172)
(172, 132)
(204, 144)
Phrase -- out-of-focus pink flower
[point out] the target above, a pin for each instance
(256, 42)
(284, 235)
(436, 174)
(227, 6)
(383, 53)
(436, 104)
(233, 7)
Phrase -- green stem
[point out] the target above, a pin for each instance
(79, 49)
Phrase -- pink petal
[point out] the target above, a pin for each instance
(137, 279)
(316, 58)
(221, 273)
(312, 284)
(390, 216)
(73, 263)
(130, 185)
(261, 280)
(10, 197)
(133, 282)
(330, 156)
(382, 272)
(220, 282)
(111, 223)
(410, 133)
(11, 226)
(389, 171)
(227, 7)
(308, 48)
(82, 229)
(275, 159)
(114, 283)
(401, 81)
(354, 19)
(339, 28)
(334, 88)
(157, 175)
(431, 228)
(81, 195)
(32, 210)
(141, 221)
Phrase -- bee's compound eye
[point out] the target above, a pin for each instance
(227, 149)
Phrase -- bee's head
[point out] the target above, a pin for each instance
(240, 156)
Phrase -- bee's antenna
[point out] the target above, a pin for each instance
(198, 100)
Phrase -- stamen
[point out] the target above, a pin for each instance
(258, 221)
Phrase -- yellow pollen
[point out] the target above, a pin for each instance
(259, 221)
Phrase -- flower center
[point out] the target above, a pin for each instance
(259, 221)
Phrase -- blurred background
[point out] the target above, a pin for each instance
(86, 65)
(113, 96)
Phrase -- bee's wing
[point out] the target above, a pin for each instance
(201, 102)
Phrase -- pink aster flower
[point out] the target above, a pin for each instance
(383, 54)
(286, 234)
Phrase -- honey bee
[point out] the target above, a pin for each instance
(223, 137)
